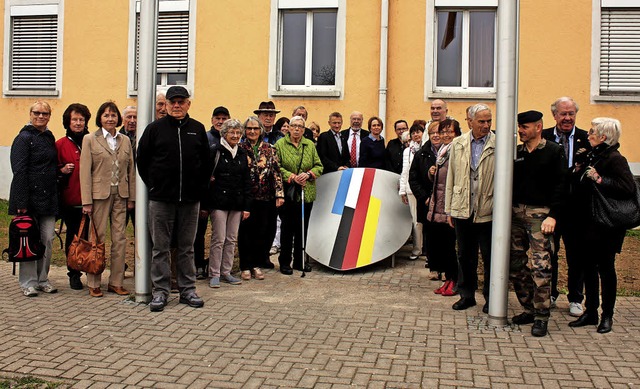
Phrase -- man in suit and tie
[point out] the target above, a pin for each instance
(332, 147)
(572, 139)
(354, 135)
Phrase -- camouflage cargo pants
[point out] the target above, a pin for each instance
(531, 274)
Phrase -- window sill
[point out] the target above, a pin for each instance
(617, 99)
(305, 93)
(462, 95)
(31, 92)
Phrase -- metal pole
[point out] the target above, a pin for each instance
(146, 114)
(506, 109)
(384, 44)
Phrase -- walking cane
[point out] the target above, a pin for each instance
(304, 254)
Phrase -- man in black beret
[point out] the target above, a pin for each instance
(539, 186)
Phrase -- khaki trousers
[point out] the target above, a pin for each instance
(115, 208)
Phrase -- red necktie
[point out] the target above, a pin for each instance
(354, 145)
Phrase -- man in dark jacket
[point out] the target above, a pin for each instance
(572, 139)
(332, 147)
(395, 147)
(173, 161)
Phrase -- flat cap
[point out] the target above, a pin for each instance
(220, 111)
(529, 117)
(177, 91)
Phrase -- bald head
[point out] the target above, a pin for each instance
(356, 119)
(438, 110)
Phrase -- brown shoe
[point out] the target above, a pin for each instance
(95, 292)
(257, 273)
(245, 275)
(117, 290)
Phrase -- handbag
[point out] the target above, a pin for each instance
(86, 255)
(292, 191)
(615, 213)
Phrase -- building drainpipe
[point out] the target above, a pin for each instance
(506, 109)
(384, 44)
(146, 114)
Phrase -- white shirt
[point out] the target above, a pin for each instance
(111, 140)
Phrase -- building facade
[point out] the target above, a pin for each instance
(323, 54)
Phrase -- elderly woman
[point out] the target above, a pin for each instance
(415, 136)
(74, 119)
(441, 246)
(107, 187)
(229, 201)
(372, 150)
(34, 191)
(419, 181)
(300, 166)
(256, 232)
(606, 170)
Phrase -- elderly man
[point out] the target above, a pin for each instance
(161, 105)
(354, 135)
(395, 147)
(173, 161)
(267, 115)
(539, 186)
(572, 139)
(332, 147)
(469, 202)
(439, 112)
(129, 126)
(302, 112)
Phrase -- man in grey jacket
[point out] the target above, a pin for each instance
(469, 202)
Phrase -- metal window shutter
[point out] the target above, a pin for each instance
(620, 51)
(173, 42)
(34, 46)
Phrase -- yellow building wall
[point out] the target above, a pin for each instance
(232, 64)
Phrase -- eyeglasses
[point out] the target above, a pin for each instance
(38, 113)
(445, 132)
(252, 128)
(235, 133)
(296, 125)
(592, 131)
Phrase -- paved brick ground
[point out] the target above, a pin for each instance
(377, 328)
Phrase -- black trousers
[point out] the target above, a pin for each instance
(470, 237)
(198, 244)
(291, 232)
(71, 217)
(575, 267)
(256, 234)
(441, 249)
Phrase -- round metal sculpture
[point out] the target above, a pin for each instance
(357, 218)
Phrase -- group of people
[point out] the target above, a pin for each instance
(244, 176)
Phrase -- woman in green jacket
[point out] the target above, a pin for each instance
(300, 166)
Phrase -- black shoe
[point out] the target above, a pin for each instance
(523, 318)
(286, 270)
(74, 282)
(268, 265)
(539, 328)
(201, 274)
(464, 303)
(485, 307)
(192, 300)
(605, 324)
(157, 304)
(307, 268)
(586, 319)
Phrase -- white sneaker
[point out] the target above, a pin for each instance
(30, 291)
(553, 302)
(46, 288)
(575, 309)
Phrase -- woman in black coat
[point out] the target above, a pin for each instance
(372, 151)
(607, 170)
(229, 202)
(34, 163)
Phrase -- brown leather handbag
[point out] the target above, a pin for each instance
(87, 255)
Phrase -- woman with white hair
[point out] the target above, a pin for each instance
(605, 170)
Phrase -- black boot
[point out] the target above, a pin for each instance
(586, 319)
(605, 324)
(539, 328)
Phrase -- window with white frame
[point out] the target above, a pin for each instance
(309, 40)
(32, 48)
(619, 48)
(175, 21)
(461, 58)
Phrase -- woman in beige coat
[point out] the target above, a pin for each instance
(107, 185)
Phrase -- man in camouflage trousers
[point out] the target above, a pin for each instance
(539, 185)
